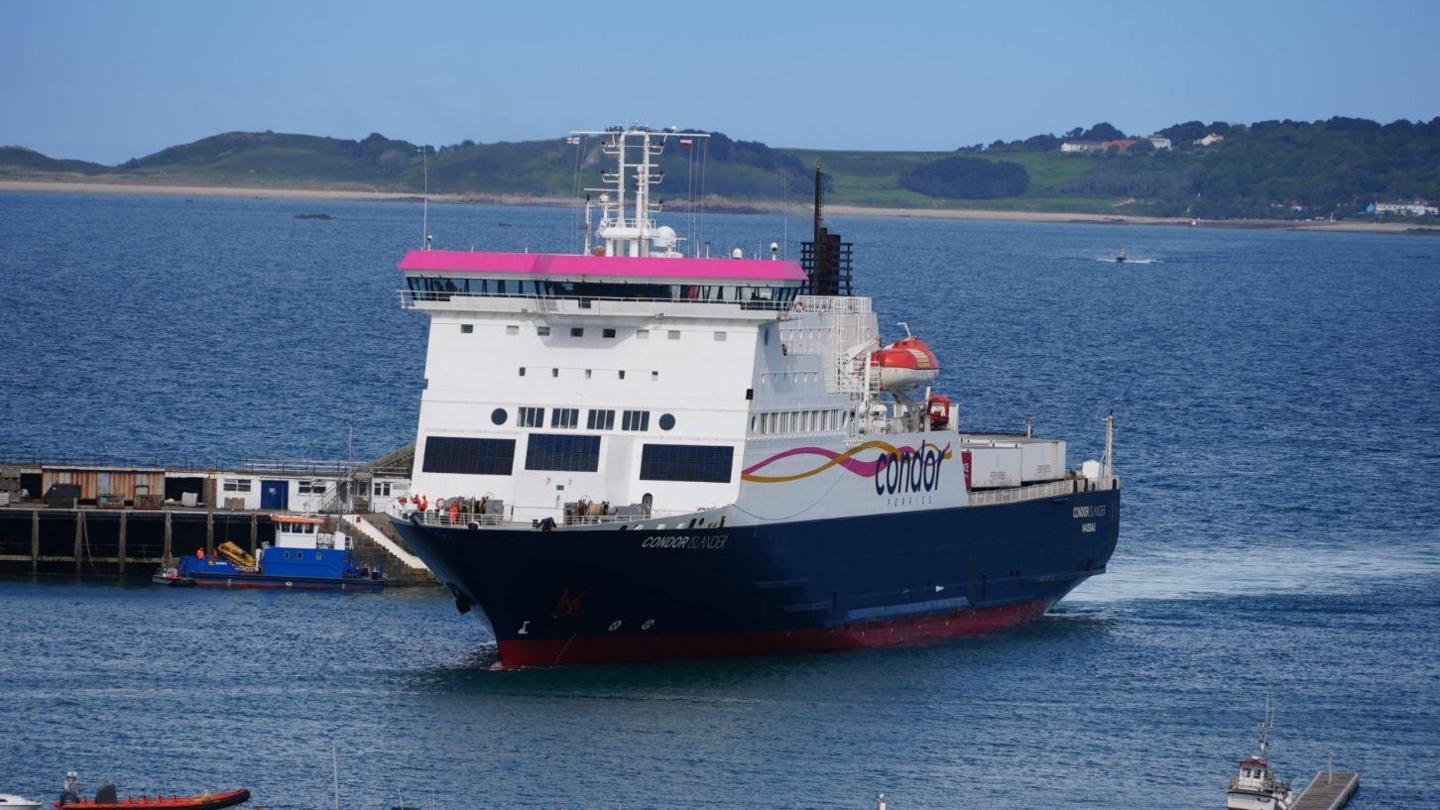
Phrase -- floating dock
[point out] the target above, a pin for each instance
(1329, 790)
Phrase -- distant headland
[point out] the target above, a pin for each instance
(1342, 173)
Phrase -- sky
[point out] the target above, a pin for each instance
(108, 81)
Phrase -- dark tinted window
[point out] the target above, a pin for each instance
(448, 454)
(686, 462)
(567, 453)
(667, 421)
(634, 420)
(600, 420)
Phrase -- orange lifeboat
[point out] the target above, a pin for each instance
(904, 364)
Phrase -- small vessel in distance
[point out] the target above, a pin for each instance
(1120, 257)
(205, 801)
(308, 554)
(10, 801)
(1254, 785)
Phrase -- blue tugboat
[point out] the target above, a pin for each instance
(304, 557)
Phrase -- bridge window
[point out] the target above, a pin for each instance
(563, 453)
(635, 420)
(450, 454)
(565, 417)
(686, 462)
(600, 420)
(532, 417)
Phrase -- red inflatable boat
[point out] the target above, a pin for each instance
(205, 801)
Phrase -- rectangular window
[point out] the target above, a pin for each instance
(635, 420)
(531, 417)
(564, 453)
(380, 489)
(600, 420)
(609, 333)
(237, 484)
(312, 487)
(720, 336)
(686, 462)
(577, 331)
(542, 331)
(449, 454)
(467, 328)
(512, 329)
(673, 334)
(642, 334)
(564, 417)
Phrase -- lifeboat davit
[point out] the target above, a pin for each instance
(904, 364)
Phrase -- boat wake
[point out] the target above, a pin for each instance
(1114, 260)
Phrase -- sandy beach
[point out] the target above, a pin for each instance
(321, 194)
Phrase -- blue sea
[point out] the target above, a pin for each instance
(1277, 398)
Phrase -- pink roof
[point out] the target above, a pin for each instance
(571, 266)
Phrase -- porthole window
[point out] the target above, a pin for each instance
(499, 415)
(667, 421)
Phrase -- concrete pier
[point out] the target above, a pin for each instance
(109, 542)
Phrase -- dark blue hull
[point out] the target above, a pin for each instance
(572, 596)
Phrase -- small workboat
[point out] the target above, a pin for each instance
(11, 802)
(308, 554)
(204, 801)
(1120, 257)
(1254, 785)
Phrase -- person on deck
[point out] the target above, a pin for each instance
(70, 791)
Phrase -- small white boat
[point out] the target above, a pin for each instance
(11, 802)
(1254, 785)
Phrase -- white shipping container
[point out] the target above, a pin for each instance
(1042, 461)
(992, 467)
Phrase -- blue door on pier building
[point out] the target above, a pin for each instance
(274, 494)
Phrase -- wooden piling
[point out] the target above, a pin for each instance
(254, 532)
(120, 551)
(210, 533)
(169, 560)
(35, 541)
(79, 528)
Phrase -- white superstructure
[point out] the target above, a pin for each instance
(633, 383)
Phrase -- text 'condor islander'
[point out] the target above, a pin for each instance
(636, 453)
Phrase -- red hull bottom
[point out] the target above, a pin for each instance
(891, 633)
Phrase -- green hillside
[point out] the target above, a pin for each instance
(1268, 169)
(17, 160)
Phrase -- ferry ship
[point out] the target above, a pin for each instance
(637, 452)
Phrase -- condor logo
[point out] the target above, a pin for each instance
(909, 470)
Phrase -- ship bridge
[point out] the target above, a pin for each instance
(594, 286)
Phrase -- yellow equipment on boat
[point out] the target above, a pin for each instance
(239, 556)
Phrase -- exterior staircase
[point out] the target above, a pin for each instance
(377, 543)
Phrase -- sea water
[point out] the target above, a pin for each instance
(1277, 398)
